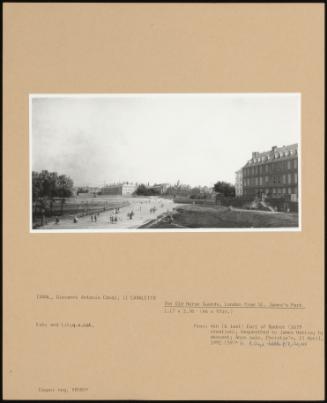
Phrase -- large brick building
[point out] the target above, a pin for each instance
(273, 173)
(119, 189)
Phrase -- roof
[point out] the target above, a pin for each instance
(283, 152)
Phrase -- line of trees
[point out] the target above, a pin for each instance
(46, 187)
(143, 190)
(50, 184)
(197, 192)
(224, 188)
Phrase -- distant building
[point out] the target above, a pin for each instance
(93, 189)
(87, 190)
(161, 187)
(119, 189)
(272, 173)
(239, 183)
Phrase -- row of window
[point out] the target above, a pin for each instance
(277, 154)
(285, 179)
(275, 167)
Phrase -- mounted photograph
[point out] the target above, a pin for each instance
(165, 162)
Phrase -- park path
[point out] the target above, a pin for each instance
(140, 207)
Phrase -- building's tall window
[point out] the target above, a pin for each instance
(295, 163)
(288, 164)
(295, 178)
(289, 178)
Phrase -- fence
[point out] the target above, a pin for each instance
(72, 207)
(246, 202)
(188, 200)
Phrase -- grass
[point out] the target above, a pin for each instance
(193, 216)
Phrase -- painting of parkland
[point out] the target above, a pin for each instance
(58, 204)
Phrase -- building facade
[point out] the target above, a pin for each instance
(273, 173)
(239, 183)
(160, 187)
(119, 189)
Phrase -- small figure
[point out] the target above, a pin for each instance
(75, 220)
(57, 220)
(95, 218)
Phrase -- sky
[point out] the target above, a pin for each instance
(197, 139)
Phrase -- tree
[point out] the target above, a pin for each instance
(143, 190)
(64, 186)
(225, 188)
(195, 193)
(49, 185)
(46, 186)
(62, 202)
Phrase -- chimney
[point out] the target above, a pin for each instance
(273, 148)
(255, 154)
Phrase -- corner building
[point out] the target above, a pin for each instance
(272, 173)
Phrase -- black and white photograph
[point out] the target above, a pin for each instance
(165, 162)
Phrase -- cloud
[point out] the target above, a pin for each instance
(195, 138)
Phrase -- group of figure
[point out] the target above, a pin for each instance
(115, 216)
(113, 219)
(94, 218)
